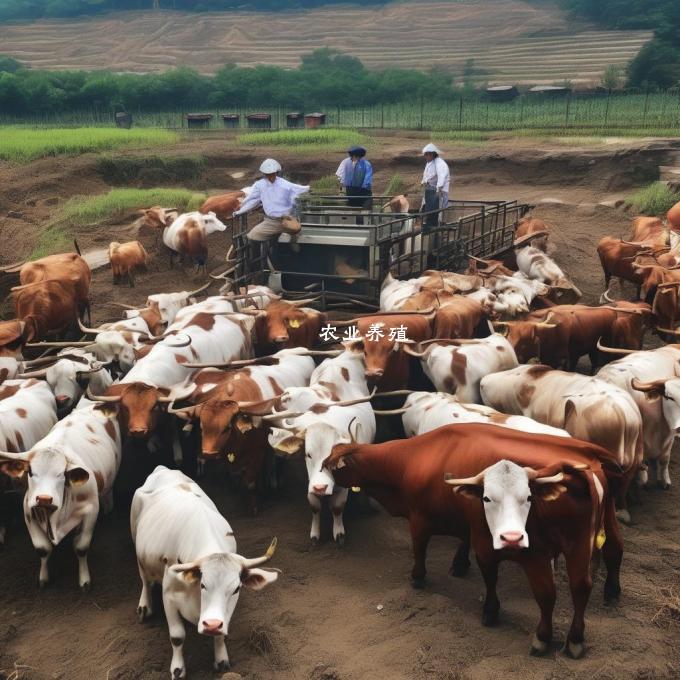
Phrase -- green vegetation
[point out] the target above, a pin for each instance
(304, 141)
(120, 202)
(327, 185)
(150, 169)
(55, 239)
(395, 186)
(654, 200)
(23, 144)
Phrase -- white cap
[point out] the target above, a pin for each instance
(431, 148)
(269, 166)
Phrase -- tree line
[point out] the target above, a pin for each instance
(324, 77)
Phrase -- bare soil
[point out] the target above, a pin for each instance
(344, 613)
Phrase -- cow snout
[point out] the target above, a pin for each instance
(512, 539)
(320, 489)
(280, 339)
(139, 432)
(62, 399)
(212, 627)
(44, 501)
(374, 372)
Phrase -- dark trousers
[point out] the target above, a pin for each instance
(359, 198)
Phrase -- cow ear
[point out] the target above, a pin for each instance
(77, 476)
(569, 412)
(14, 468)
(189, 572)
(244, 423)
(108, 409)
(547, 492)
(469, 490)
(257, 579)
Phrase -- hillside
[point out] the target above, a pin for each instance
(509, 40)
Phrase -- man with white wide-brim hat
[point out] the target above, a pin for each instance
(277, 197)
(436, 178)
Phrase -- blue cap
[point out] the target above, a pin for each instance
(356, 151)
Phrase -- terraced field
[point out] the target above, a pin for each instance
(510, 40)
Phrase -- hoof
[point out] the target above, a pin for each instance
(611, 594)
(314, 542)
(459, 569)
(538, 647)
(85, 588)
(624, 517)
(42, 585)
(574, 650)
(143, 613)
(663, 485)
(340, 540)
(221, 666)
(489, 618)
(178, 673)
(417, 583)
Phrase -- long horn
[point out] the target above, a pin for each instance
(549, 480)
(13, 268)
(124, 306)
(185, 409)
(613, 350)
(239, 363)
(165, 400)
(321, 353)
(228, 258)
(41, 361)
(647, 386)
(529, 237)
(392, 412)
(201, 289)
(181, 344)
(100, 397)
(668, 284)
(85, 329)
(45, 343)
(412, 352)
(254, 561)
(223, 275)
(606, 296)
(90, 371)
(33, 374)
(394, 393)
(306, 301)
(667, 330)
(352, 402)
(278, 415)
(450, 479)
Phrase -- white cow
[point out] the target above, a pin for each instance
(68, 471)
(183, 543)
(458, 367)
(514, 294)
(535, 264)
(334, 409)
(188, 235)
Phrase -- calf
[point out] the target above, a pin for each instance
(587, 408)
(183, 542)
(225, 205)
(124, 258)
(458, 367)
(188, 236)
(541, 495)
(68, 471)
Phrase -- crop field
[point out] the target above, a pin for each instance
(509, 40)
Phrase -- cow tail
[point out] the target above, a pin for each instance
(77, 247)
(597, 508)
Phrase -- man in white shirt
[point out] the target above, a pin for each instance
(436, 178)
(277, 197)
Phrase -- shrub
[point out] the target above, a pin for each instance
(654, 200)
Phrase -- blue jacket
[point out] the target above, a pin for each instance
(359, 175)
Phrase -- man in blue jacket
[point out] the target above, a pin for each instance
(356, 176)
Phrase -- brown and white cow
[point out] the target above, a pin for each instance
(535, 264)
(188, 236)
(514, 489)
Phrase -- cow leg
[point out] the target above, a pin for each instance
(461, 560)
(337, 502)
(539, 572)
(622, 499)
(81, 545)
(580, 583)
(144, 608)
(663, 478)
(420, 536)
(131, 279)
(492, 604)
(612, 553)
(221, 664)
(106, 502)
(43, 547)
(315, 505)
(177, 635)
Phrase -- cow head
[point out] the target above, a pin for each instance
(525, 336)
(50, 474)
(289, 324)
(218, 579)
(159, 218)
(138, 406)
(506, 491)
(668, 390)
(13, 335)
(211, 223)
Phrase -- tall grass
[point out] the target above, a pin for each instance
(24, 144)
(304, 140)
(655, 200)
(327, 185)
(395, 186)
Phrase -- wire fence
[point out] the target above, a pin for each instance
(600, 110)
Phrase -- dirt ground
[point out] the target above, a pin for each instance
(346, 613)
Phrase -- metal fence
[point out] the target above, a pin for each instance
(598, 110)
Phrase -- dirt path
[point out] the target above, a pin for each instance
(322, 620)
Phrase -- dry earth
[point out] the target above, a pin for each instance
(322, 620)
(511, 40)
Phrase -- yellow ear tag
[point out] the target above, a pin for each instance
(231, 457)
(356, 489)
(600, 539)
(294, 323)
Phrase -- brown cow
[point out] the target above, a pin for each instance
(158, 218)
(223, 205)
(288, 324)
(458, 317)
(616, 257)
(13, 336)
(650, 231)
(534, 225)
(124, 258)
(567, 512)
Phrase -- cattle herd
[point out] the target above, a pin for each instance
(499, 442)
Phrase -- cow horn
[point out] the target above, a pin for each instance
(647, 386)
(546, 322)
(33, 374)
(223, 275)
(103, 398)
(85, 329)
(471, 481)
(165, 400)
(394, 393)
(57, 344)
(321, 353)
(392, 412)
(278, 415)
(124, 306)
(305, 301)
(90, 371)
(13, 268)
(606, 297)
(412, 352)
(228, 258)
(667, 330)
(613, 350)
(181, 344)
(548, 480)
(623, 310)
(529, 237)
(254, 561)
(201, 289)
(238, 363)
(186, 409)
(668, 284)
(29, 363)
(352, 402)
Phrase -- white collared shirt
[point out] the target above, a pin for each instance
(436, 174)
(277, 198)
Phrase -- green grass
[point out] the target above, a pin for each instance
(24, 144)
(82, 211)
(395, 186)
(304, 141)
(654, 200)
(150, 169)
(328, 185)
